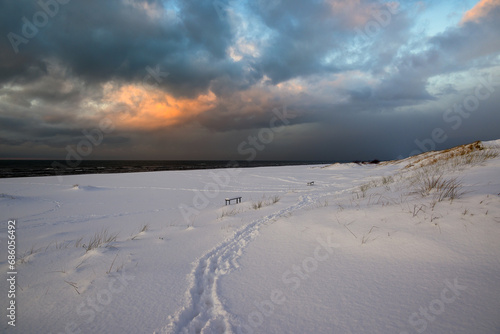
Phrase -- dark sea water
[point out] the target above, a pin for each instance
(29, 168)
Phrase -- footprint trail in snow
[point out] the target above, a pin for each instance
(204, 312)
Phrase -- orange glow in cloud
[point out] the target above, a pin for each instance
(355, 13)
(134, 106)
(351, 11)
(292, 86)
(479, 10)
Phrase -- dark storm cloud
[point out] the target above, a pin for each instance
(305, 33)
(118, 39)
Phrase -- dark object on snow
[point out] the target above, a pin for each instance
(237, 199)
(373, 162)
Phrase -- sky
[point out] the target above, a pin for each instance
(246, 79)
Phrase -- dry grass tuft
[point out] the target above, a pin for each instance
(427, 182)
(99, 239)
(257, 205)
(144, 228)
(228, 213)
(266, 202)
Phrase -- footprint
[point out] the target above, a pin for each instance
(209, 303)
(216, 326)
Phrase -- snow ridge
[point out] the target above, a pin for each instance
(205, 312)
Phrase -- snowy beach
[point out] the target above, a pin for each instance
(407, 246)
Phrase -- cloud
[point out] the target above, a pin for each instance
(135, 106)
(475, 40)
(192, 79)
(480, 10)
(119, 39)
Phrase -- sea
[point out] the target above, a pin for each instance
(33, 168)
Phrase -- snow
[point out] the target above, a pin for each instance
(492, 143)
(363, 250)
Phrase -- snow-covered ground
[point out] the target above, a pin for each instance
(401, 247)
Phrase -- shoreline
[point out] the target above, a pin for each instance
(41, 168)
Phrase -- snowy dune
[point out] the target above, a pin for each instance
(406, 246)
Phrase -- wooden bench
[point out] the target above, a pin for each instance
(237, 199)
(310, 183)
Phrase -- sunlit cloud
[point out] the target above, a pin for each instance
(250, 34)
(152, 9)
(356, 13)
(141, 107)
(481, 9)
(243, 48)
